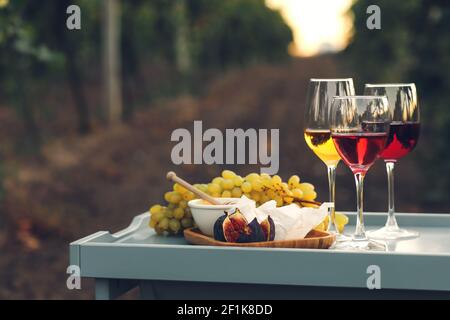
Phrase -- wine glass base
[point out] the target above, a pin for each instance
(360, 245)
(392, 233)
(342, 237)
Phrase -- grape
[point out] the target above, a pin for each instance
(227, 184)
(152, 223)
(279, 201)
(297, 193)
(175, 197)
(189, 195)
(246, 187)
(157, 216)
(164, 224)
(182, 204)
(238, 180)
(158, 230)
(174, 225)
(264, 198)
(276, 180)
(179, 188)
(214, 188)
(168, 213)
(252, 176)
(264, 175)
(309, 196)
(172, 197)
(155, 209)
(167, 196)
(271, 193)
(255, 196)
(288, 193)
(257, 185)
(277, 187)
(288, 199)
(186, 223)
(236, 192)
(266, 181)
(203, 187)
(294, 181)
(178, 213)
(305, 187)
(217, 180)
(228, 174)
(226, 194)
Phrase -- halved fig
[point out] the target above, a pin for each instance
(268, 227)
(218, 228)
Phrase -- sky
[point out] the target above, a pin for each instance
(318, 25)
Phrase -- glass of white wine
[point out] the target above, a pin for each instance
(317, 130)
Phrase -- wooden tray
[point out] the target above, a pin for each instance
(314, 240)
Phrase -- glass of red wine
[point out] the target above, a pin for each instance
(403, 136)
(359, 129)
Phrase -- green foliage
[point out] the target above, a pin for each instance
(383, 55)
(413, 45)
(240, 32)
(221, 33)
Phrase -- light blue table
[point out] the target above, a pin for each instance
(168, 267)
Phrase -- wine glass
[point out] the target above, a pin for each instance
(359, 129)
(403, 136)
(317, 129)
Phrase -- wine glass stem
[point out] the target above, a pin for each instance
(360, 233)
(331, 184)
(391, 221)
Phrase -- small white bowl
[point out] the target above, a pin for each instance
(205, 215)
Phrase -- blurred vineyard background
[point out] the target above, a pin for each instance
(71, 164)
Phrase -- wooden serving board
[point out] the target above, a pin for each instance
(314, 240)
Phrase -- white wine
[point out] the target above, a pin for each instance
(320, 142)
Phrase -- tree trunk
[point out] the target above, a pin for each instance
(74, 77)
(84, 125)
(112, 88)
(182, 48)
(27, 111)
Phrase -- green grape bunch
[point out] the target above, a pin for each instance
(175, 215)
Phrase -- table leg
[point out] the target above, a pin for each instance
(147, 290)
(108, 289)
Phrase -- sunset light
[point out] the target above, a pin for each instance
(318, 26)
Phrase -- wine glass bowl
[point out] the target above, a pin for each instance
(359, 130)
(405, 118)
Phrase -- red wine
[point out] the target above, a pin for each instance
(402, 139)
(359, 150)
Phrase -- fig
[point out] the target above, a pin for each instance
(235, 228)
(268, 227)
(218, 229)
